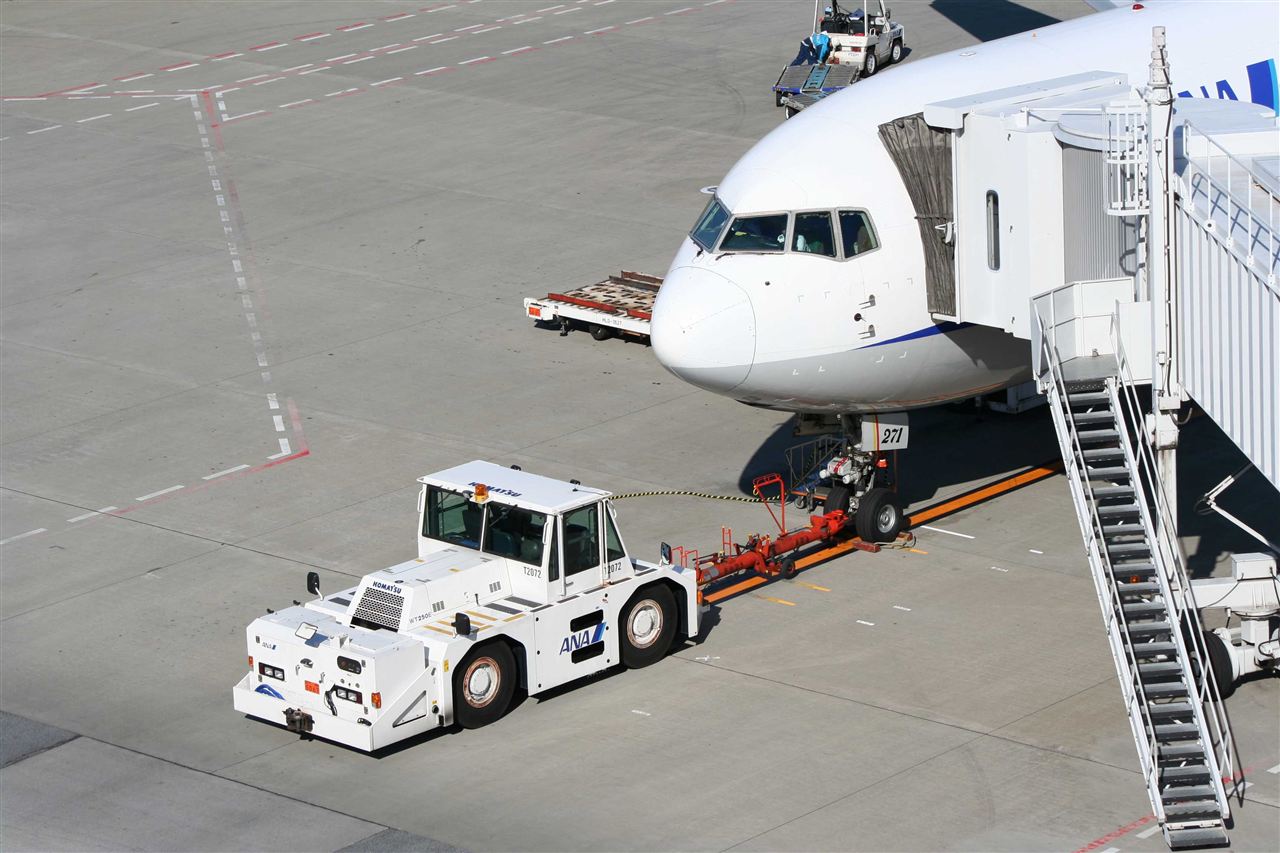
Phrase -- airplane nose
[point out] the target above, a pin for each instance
(703, 329)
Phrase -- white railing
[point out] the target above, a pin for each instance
(1159, 524)
(1128, 153)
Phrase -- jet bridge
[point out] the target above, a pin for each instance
(1131, 239)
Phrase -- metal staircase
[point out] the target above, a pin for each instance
(1181, 732)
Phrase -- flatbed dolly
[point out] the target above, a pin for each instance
(620, 305)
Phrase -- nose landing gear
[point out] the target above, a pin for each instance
(858, 475)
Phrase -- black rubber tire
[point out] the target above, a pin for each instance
(895, 52)
(498, 657)
(601, 333)
(643, 650)
(837, 499)
(787, 569)
(802, 502)
(879, 516)
(872, 64)
(1220, 660)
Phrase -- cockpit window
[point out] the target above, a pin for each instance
(856, 233)
(757, 234)
(710, 224)
(813, 234)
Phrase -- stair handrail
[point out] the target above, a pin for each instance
(1172, 576)
(1135, 694)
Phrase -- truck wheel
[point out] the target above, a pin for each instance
(837, 499)
(601, 333)
(895, 52)
(483, 685)
(872, 63)
(879, 516)
(1220, 660)
(648, 626)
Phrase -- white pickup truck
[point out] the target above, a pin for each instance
(521, 582)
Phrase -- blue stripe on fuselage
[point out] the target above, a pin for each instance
(936, 329)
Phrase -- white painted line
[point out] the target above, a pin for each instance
(600, 30)
(26, 99)
(402, 50)
(948, 532)
(224, 92)
(295, 103)
(445, 39)
(385, 82)
(257, 77)
(224, 473)
(143, 107)
(714, 3)
(136, 77)
(265, 82)
(464, 29)
(567, 11)
(279, 422)
(487, 30)
(159, 493)
(998, 569)
(433, 36)
(228, 56)
(90, 97)
(562, 38)
(399, 17)
(354, 61)
(297, 67)
(864, 622)
(24, 535)
(430, 70)
(900, 607)
(475, 59)
(269, 47)
(641, 713)
(91, 88)
(527, 20)
(316, 37)
(81, 517)
(333, 59)
(273, 401)
(678, 11)
(313, 70)
(339, 92)
(43, 129)
(356, 27)
(517, 50)
(182, 67)
(1034, 551)
(242, 115)
(442, 8)
(1112, 850)
(640, 20)
(1149, 831)
(285, 449)
(1275, 769)
(92, 118)
(603, 3)
(551, 8)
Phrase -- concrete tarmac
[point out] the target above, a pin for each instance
(261, 267)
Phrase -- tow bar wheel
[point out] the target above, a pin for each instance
(483, 686)
(648, 626)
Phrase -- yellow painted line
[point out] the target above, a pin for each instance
(813, 586)
(825, 554)
(437, 630)
(482, 616)
(917, 551)
(721, 594)
(774, 600)
(1033, 475)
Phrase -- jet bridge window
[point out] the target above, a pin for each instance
(993, 230)
(710, 224)
(513, 532)
(451, 518)
(757, 234)
(857, 235)
(813, 234)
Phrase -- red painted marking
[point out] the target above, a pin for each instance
(201, 486)
(207, 99)
(130, 76)
(1116, 833)
(224, 55)
(395, 17)
(307, 36)
(261, 46)
(176, 65)
(69, 89)
(352, 26)
(296, 419)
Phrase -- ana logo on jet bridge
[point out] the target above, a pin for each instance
(585, 637)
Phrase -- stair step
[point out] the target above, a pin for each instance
(1122, 529)
(1103, 453)
(1144, 629)
(1140, 588)
(1095, 435)
(1179, 793)
(1128, 548)
(1136, 568)
(1117, 510)
(1104, 492)
(1085, 398)
(1156, 669)
(1181, 751)
(1176, 731)
(1151, 650)
(1145, 608)
(1109, 473)
(1094, 417)
(1165, 690)
(1192, 810)
(1169, 775)
(1182, 839)
(1170, 709)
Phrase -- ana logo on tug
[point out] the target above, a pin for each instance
(585, 637)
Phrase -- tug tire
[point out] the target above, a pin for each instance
(483, 685)
(895, 52)
(879, 516)
(647, 626)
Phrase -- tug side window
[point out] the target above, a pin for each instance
(450, 517)
(514, 532)
(814, 235)
(553, 564)
(612, 543)
(581, 539)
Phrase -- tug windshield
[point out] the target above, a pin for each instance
(494, 528)
(710, 224)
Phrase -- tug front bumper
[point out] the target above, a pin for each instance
(309, 722)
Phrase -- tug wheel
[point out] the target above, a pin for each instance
(872, 63)
(483, 685)
(895, 52)
(879, 517)
(648, 626)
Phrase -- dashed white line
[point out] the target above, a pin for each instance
(488, 30)
(105, 509)
(948, 532)
(143, 106)
(333, 59)
(92, 118)
(388, 80)
(313, 70)
(279, 422)
(432, 36)
(1034, 551)
(354, 61)
(864, 622)
(242, 115)
(1149, 831)
(403, 49)
(295, 103)
(998, 569)
(517, 50)
(640, 20)
(567, 11)
(24, 535)
(551, 8)
(315, 37)
(641, 713)
(399, 17)
(1112, 850)
(599, 30)
(159, 493)
(352, 29)
(527, 20)
(183, 67)
(43, 129)
(285, 449)
(471, 27)
(224, 473)
(441, 8)
(297, 67)
(136, 77)
(562, 38)
(445, 39)
(265, 82)
(273, 402)
(714, 3)
(602, 3)
(89, 98)
(97, 86)
(339, 92)
(903, 609)
(1275, 769)
(431, 70)
(385, 46)
(228, 56)
(678, 11)
(26, 99)
(257, 77)
(475, 59)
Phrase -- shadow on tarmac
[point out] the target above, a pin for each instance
(991, 19)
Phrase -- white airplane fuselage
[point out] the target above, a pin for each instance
(792, 330)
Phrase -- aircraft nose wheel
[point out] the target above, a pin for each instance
(879, 516)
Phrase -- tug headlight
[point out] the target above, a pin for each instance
(349, 695)
(349, 665)
(270, 671)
